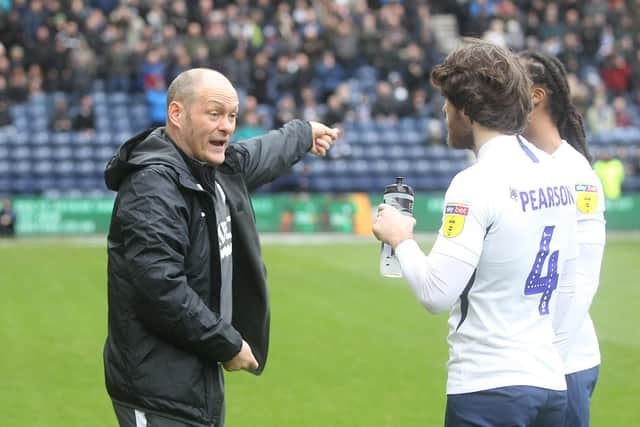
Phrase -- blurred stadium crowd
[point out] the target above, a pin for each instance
(77, 77)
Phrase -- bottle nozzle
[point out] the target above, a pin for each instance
(399, 179)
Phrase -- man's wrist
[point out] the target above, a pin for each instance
(397, 242)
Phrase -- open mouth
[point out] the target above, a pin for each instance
(217, 143)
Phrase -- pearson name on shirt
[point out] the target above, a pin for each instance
(546, 197)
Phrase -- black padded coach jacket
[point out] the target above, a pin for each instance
(166, 338)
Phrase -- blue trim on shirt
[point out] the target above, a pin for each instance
(526, 150)
(464, 299)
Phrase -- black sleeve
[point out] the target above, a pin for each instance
(265, 157)
(154, 224)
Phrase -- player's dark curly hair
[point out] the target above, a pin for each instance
(547, 71)
(488, 83)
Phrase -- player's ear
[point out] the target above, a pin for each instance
(175, 110)
(538, 95)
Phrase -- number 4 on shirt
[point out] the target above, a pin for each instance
(545, 285)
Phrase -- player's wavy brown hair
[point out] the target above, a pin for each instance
(487, 83)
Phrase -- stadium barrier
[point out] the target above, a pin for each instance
(302, 213)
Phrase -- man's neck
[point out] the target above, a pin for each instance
(543, 133)
(481, 135)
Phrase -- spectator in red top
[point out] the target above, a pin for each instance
(621, 112)
(616, 74)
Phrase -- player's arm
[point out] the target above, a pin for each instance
(573, 306)
(265, 157)
(437, 280)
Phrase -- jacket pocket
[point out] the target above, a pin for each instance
(168, 373)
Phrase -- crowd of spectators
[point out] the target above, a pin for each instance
(333, 60)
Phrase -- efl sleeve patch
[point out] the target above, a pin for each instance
(454, 216)
(587, 198)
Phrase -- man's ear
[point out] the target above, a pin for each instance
(538, 95)
(174, 113)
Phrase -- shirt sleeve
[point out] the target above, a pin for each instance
(562, 320)
(569, 315)
(466, 218)
(265, 157)
(436, 280)
(590, 207)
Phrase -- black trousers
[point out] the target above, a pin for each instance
(129, 416)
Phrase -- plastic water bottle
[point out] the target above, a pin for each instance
(400, 196)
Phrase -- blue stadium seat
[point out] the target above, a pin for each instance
(103, 138)
(5, 167)
(21, 123)
(84, 168)
(318, 167)
(385, 125)
(43, 184)
(421, 167)
(79, 139)
(358, 151)
(416, 151)
(23, 185)
(43, 152)
(43, 167)
(101, 110)
(359, 167)
(338, 167)
(98, 85)
(369, 137)
(390, 136)
(99, 98)
(65, 184)
(400, 167)
(437, 152)
(121, 137)
(103, 154)
(18, 110)
(631, 184)
(83, 152)
(61, 137)
(118, 98)
(380, 167)
(368, 152)
(395, 151)
(321, 184)
(103, 123)
(118, 112)
(411, 137)
(5, 185)
(360, 183)
(40, 138)
(630, 135)
(20, 152)
(62, 152)
(342, 184)
(122, 125)
(65, 168)
(407, 124)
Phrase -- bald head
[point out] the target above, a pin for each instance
(201, 114)
(186, 85)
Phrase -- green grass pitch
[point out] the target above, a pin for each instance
(348, 348)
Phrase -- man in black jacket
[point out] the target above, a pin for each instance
(187, 285)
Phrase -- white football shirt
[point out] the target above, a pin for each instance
(583, 351)
(512, 217)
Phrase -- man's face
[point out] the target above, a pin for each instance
(459, 127)
(209, 121)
